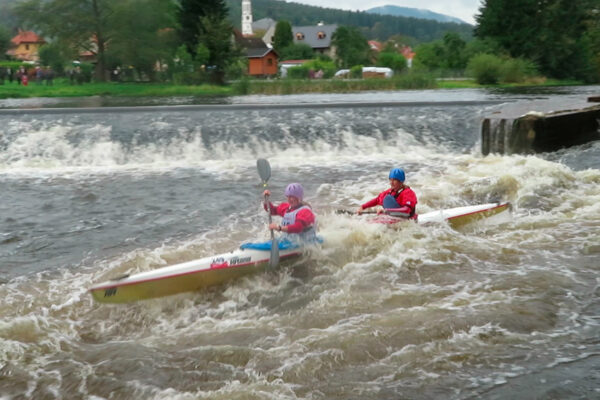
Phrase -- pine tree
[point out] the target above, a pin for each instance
(191, 13)
(283, 36)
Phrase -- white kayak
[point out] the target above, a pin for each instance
(456, 217)
(188, 276)
(215, 270)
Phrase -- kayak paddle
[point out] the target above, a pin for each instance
(350, 212)
(264, 170)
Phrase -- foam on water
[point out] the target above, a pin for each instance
(416, 312)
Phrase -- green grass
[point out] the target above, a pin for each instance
(63, 88)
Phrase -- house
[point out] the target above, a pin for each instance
(375, 46)
(266, 28)
(262, 60)
(409, 54)
(318, 37)
(25, 46)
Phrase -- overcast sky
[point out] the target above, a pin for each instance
(463, 9)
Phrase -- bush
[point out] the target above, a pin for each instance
(299, 72)
(414, 80)
(394, 61)
(485, 68)
(328, 67)
(516, 70)
(14, 65)
(356, 72)
(300, 51)
(242, 86)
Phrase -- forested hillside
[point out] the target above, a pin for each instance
(373, 26)
(7, 19)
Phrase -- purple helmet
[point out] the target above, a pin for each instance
(295, 189)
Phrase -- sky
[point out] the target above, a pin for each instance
(463, 9)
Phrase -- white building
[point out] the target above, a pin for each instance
(247, 18)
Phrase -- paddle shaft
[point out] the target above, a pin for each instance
(264, 170)
(354, 212)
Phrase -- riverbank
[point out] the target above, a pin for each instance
(63, 88)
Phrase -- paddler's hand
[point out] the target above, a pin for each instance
(359, 210)
(276, 227)
(380, 211)
(267, 192)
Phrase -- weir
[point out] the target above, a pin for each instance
(539, 126)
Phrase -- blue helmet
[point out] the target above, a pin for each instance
(397, 173)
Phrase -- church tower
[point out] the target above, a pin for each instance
(247, 18)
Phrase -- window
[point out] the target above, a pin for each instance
(269, 61)
(26, 47)
(321, 35)
(299, 36)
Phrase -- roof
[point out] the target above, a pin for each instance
(254, 47)
(311, 35)
(375, 45)
(293, 62)
(259, 53)
(27, 37)
(407, 52)
(263, 24)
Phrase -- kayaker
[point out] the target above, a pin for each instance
(405, 198)
(298, 218)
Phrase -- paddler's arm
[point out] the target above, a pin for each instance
(371, 203)
(274, 210)
(304, 219)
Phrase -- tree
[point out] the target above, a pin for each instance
(351, 47)
(79, 25)
(283, 36)
(552, 33)
(142, 34)
(217, 39)
(429, 56)
(453, 51)
(300, 51)
(51, 55)
(204, 22)
(190, 17)
(4, 41)
(391, 60)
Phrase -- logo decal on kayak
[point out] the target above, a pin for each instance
(239, 260)
(110, 292)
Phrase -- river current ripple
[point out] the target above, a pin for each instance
(502, 310)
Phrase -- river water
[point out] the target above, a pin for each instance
(491, 311)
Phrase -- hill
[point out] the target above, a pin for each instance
(7, 19)
(413, 13)
(373, 26)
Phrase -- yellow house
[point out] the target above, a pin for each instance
(25, 46)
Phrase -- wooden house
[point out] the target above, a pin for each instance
(25, 46)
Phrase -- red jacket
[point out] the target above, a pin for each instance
(304, 219)
(406, 197)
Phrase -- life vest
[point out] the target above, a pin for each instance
(402, 210)
(309, 233)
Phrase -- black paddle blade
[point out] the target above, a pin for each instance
(344, 212)
(264, 169)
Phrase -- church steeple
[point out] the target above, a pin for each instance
(247, 18)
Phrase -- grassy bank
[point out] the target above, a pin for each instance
(63, 88)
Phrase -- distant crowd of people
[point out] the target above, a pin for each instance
(40, 75)
(23, 76)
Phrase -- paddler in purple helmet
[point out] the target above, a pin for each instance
(399, 197)
(298, 218)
